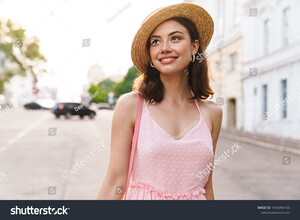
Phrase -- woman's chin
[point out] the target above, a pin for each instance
(169, 71)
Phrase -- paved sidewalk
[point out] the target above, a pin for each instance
(268, 141)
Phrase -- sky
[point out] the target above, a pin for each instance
(62, 25)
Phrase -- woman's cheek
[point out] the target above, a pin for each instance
(153, 53)
(182, 48)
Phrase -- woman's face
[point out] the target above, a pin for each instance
(171, 48)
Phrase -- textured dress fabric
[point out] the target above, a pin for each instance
(166, 168)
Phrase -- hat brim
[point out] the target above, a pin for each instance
(201, 19)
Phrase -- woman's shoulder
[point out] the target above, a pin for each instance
(212, 112)
(129, 99)
(211, 106)
(127, 105)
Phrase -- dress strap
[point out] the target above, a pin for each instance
(134, 140)
(196, 101)
(197, 104)
(147, 102)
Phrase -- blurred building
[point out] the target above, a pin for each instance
(19, 89)
(116, 78)
(225, 58)
(256, 71)
(271, 79)
(95, 74)
(47, 93)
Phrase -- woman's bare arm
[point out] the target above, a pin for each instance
(216, 118)
(114, 183)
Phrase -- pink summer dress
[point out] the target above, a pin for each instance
(166, 168)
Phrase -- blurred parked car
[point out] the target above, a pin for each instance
(71, 108)
(34, 106)
(104, 107)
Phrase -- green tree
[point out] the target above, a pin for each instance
(21, 51)
(125, 86)
(104, 87)
(106, 84)
(93, 90)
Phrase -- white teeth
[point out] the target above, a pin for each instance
(167, 59)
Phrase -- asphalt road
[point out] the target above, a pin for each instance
(45, 158)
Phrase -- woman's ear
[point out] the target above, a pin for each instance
(195, 46)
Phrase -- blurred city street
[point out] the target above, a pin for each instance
(34, 156)
(36, 149)
(80, 66)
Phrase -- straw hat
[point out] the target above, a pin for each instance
(195, 13)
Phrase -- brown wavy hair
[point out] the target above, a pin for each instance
(151, 87)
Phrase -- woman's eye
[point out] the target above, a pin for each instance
(154, 42)
(175, 38)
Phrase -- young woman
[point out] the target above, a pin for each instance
(179, 128)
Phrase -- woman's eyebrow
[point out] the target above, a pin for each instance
(174, 32)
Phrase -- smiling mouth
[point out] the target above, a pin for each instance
(168, 59)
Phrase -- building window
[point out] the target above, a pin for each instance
(232, 62)
(266, 36)
(265, 99)
(255, 91)
(283, 99)
(285, 26)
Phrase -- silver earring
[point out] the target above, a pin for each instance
(152, 65)
(193, 58)
(186, 72)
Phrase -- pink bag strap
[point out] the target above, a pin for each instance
(135, 138)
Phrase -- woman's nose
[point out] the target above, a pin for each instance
(165, 47)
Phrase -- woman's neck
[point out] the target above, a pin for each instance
(176, 88)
